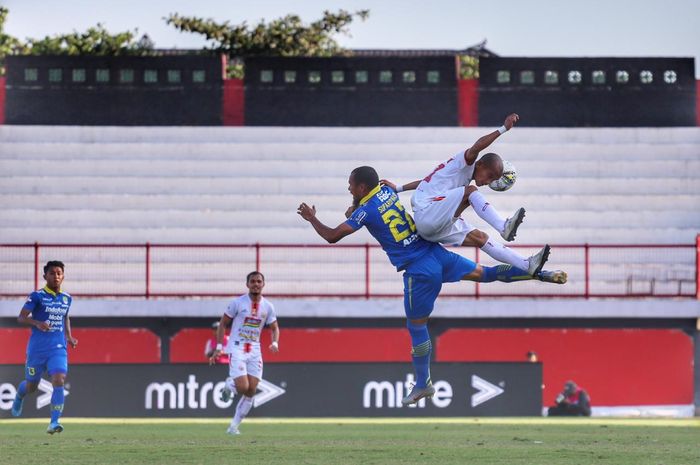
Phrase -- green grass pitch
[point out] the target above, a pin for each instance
(539, 441)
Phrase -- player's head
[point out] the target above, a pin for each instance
(255, 281)
(362, 180)
(488, 169)
(570, 387)
(532, 356)
(53, 274)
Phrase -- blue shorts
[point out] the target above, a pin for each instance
(423, 279)
(52, 361)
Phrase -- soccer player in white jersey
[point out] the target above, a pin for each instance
(443, 195)
(247, 315)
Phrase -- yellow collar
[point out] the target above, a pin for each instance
(47, 289)
(371, 194)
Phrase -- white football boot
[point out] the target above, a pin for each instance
(537, 261)
(511, 225)
(417, 394)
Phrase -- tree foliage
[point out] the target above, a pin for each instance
(287, 36)
(468, 67)
(95, 40)
(8, 45)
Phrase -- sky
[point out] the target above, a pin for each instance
(535, 28)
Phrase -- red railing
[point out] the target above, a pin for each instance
(348, 270)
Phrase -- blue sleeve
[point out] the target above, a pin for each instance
(358, 218)
(32, 301)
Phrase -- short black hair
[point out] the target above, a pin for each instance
(52, 264)
(492, 159)
(254, 273)
(365, 175)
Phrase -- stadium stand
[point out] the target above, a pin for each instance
(242, 186)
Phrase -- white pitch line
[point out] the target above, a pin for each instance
(676, 422)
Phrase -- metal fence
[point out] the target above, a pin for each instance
(349, 270)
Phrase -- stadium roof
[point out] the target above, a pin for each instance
(478, 50)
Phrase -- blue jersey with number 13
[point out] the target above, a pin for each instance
(387, 220)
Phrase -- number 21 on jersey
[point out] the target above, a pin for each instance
(400, 223)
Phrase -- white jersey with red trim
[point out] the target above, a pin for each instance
(249, 319)
(446, 176)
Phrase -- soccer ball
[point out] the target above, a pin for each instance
(506, 180)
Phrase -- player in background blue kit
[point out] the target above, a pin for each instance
(426, 265)
(46, 311)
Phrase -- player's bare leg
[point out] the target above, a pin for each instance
(247, 386)
(503, 254)
(496, 250)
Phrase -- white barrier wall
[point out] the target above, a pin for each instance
(381, 308)
(242, 185)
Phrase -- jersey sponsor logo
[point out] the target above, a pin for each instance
(383, 195)
(360, 217)
(252, 322)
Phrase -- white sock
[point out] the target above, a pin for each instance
(242, 409)
(503, 254)
(231, 386)
(486, 211)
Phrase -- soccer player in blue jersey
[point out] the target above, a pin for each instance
(46, 311)
(426, 265)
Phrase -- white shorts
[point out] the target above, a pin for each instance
(244, 363)
(434, 217)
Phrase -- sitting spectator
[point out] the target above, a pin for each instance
(532, 356)
(572, 401)
(211, 346)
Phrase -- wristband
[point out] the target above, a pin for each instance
(274, 343)
(502, 129)
(219, 347)
(399, 189)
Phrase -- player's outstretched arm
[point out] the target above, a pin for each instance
(331, 235)
(400, 188)
(484, 141)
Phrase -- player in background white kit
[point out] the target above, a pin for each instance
(247, 315)
(443, 195)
